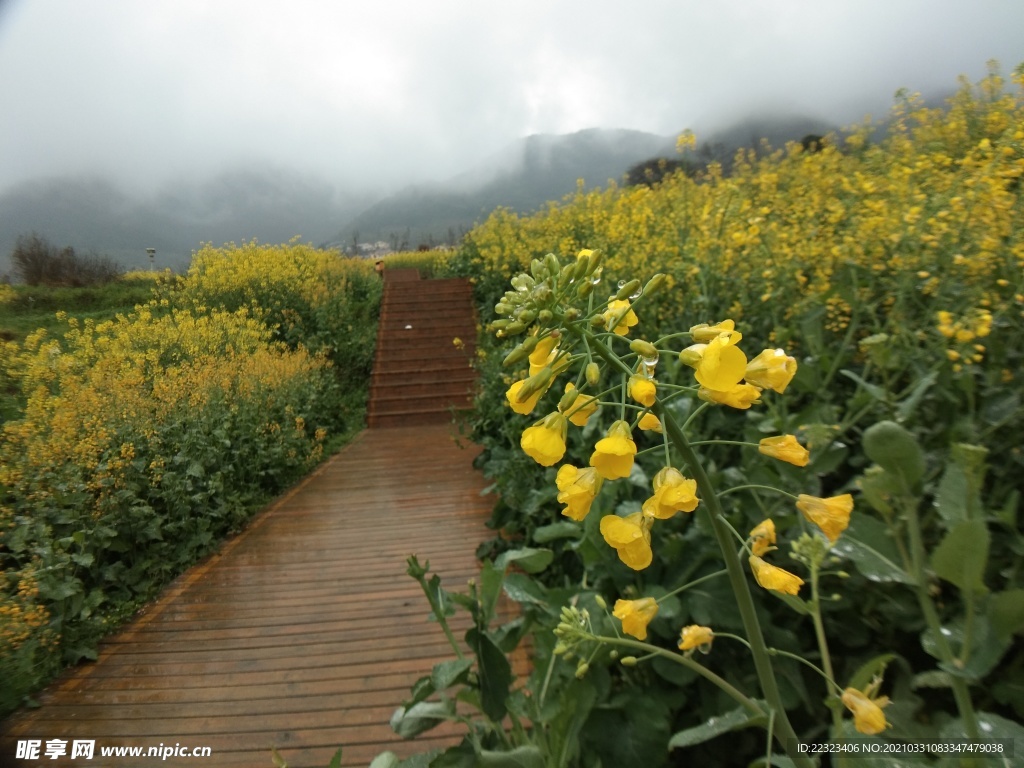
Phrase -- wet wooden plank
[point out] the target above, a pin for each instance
(304, 632)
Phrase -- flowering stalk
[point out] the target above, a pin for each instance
(785, 734)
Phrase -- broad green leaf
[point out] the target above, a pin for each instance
(494, 672)
(527, 756)
(879, 487)
(561, 530)
(934, 678)
(987, 648)
(896, 450)
(528, 559)
(523, 589)
(629, 730)
(447, 673)
(385, 760)
(1006, 612)
(491, 577)
(868, 544)
(906, 408)
(962, 555)
(951, 500)
(991, 727)
(421, 717)
(959, 494)
(716, 726)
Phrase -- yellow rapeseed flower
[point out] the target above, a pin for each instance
(642, 389)
(832, 515)
(722, 365)
(772, 369)
(525, 407)
(672, 493)
(613, 454)
(704, 333)
(762, 537)
(545, 442)
(868, 717)
(649, 423)
(769, 576)
(626, 319)
(630, 537)
(636, 615)
(577, 489)
(695, 636)
(582, 409)
(742, 396)
(785, 448)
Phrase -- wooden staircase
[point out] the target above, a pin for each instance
(419, 374)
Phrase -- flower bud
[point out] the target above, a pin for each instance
(534, 384)
(527, 316)
(654, 283)
(542, 293)
(643, 348)
(572, 314)
(514, 327)
(597, 321)
(628, 661)
(627, 290)
(582, 670)
(568, 399)
(593, 374)
(585, 289)
(600, 602)
(521, 352)
(582, 265)
(545, 316)
(551, 262)
(501, 308)
(537, 269)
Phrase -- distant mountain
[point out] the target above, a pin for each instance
(524, 177)
(542, 168)
(92, 214)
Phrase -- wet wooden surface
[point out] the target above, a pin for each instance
(303, 633)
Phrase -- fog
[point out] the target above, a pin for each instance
(377, 95)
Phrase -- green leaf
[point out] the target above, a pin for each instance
(421, 717)
(906, 408)
(491, 577)
(895, 450)
(869, 670)
(630, 730)
(962, 555)
(798, 604)
(495, 674)
(385, 760)
(876, 392)
(987, 648)
(868, 544)
(934, 678)
(527, 756)
(528, 559)
(1006, 612)
(991, 727)
(555, 531)
(523, 589)
(335, 760)
(448, 673)
(716, 726)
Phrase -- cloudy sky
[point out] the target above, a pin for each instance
(392, 91)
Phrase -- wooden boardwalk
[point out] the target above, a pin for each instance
(304, 632)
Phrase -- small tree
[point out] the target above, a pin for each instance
(37, 262)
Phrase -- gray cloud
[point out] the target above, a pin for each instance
(381, 94)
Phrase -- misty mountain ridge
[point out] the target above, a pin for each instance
(273, 205)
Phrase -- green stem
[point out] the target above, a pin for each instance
(786, 736)
(826, 657)
(756, 487)
(652, 650)
(931, 616)
(693, 583)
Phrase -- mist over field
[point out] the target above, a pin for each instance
(167, 124)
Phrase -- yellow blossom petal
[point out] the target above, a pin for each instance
(772, 369)
(630, 537)
(722, 365)
(649, 423)
(672, 493)
(577, 489)
(785, 448)
(694, 636)
(545, 442)
(526, 406)
(642, 389)
(769, 576)
(762, 537)
(636, 615)
(582, 409)
(613, 455)
(832, 515)
(627, 320)
(742, 396)
(867, 712)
